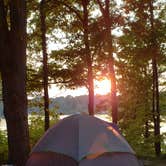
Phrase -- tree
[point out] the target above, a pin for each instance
(155, 102)
(39, 26)
(88, 58)
(138, 47)
(79, 50)
(45, 60)
(108, 24)
(13, 74)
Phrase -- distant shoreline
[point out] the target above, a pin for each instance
(101, 116)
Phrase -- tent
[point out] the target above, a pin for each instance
(83, 140)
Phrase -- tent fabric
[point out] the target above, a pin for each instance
(97, 137)
(78, 136)
(50, 159)
(61, 138)
(111, 159)
(107, 159)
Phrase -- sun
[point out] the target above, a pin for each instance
(102, 87)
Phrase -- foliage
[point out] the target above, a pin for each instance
(36, 122)
(3, 146)
(36, 128)
(163, 103)
(135, 74)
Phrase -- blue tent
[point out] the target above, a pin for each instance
(86, 140)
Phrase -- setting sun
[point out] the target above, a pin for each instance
(102, 87)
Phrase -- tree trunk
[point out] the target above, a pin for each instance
(45, 65)
(88, 58)
(113, 92)
(109, 48)
(156, 111)
(15, 111)
(91, 91)
(13, 72)
(147, 106)
(155, 105)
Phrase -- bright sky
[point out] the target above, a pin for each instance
(101, 87)
(54, 91)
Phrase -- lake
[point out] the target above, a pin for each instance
(101, 116)
(104, 117)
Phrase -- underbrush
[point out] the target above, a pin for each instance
(36, 130)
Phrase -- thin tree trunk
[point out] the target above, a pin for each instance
(113, 90)
(13, 72)
(109, 48)
(88, 58)
(45, 65)
(155, 105)
(156, 112)
(147, 122)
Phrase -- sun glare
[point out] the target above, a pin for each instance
(102, 87)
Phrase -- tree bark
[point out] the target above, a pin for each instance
(155, 102)
(45, 63)
(88, 58)
(13, 72)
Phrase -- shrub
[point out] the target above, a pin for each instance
(3, 146)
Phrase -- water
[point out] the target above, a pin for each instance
(103, 117)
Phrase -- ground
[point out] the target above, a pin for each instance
(155, 162)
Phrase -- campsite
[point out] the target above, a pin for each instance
(83, 82)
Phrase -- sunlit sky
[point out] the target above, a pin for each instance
(101, 87)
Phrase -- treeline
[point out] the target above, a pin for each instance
(70, 105)
(72, 43)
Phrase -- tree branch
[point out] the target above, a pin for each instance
(72, 9)
(107, 2)
(101, 7)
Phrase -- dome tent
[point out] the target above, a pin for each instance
(83, 140)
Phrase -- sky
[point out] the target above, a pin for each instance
(101, 87)
(54, 91)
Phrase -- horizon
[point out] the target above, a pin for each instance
(101, 87)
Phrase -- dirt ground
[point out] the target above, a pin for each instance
(155, 162)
